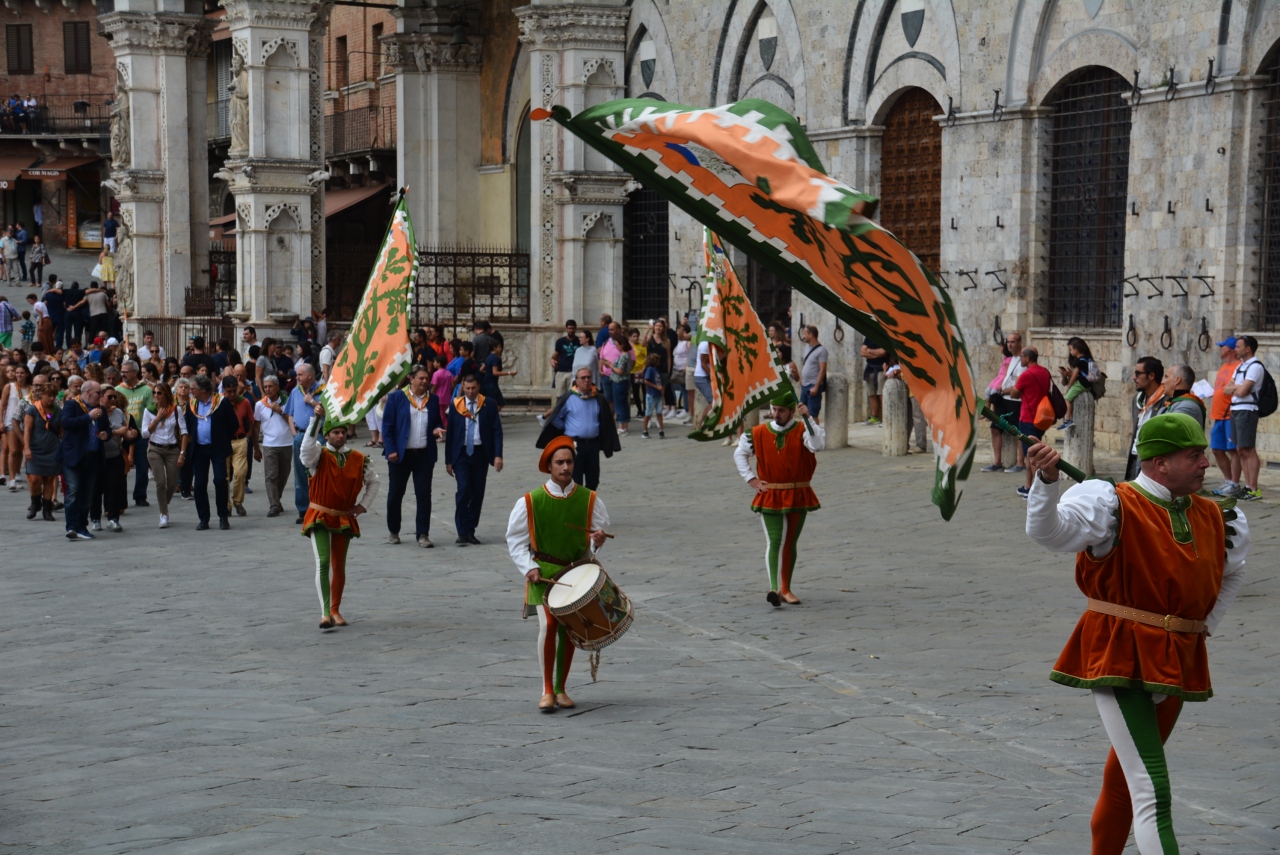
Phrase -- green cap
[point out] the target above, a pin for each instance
(785, 397)
(1167, 433)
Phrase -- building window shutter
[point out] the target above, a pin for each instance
(75, 42)
(18, 44)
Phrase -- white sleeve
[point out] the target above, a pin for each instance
(599, 519)
(742, 456)
(309, 450)
(1084, 517)
(148, 419)
(518, 537)
(372, 485)
(817, 440)
(1233, 572)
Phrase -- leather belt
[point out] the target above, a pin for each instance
(550, 559)
(1169, 623)
(162, 445)
(788, 485)
(322, 509)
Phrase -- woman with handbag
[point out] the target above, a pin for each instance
(37, 258)
(1032, 389)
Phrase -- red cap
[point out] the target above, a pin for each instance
(544, 463)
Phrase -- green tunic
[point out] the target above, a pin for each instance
(558, 528)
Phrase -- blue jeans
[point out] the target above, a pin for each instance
(142, 469)
(80, 482)
(811, 399)
(620, 394)
(301, 480)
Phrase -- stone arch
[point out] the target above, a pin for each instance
(882, 59)
(283, 111)
(517, 101)
(1034, 67)
(1262, 33)
(283, 256)
(1109, 49)
(743, 72)
(646, 25)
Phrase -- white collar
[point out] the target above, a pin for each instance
(554, 489)
(329, 446)
(1154, 487)
(777, 428)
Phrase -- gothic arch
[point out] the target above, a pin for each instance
(517, 101)
(880, 63)
(729, 80)
(1262, 32)
(1104, 47)
(646, 21)
(898, 80)
(1033, 69)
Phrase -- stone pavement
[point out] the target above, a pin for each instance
(169, 691)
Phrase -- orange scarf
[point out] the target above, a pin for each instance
(460, 404)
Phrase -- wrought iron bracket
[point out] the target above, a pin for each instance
(1172, 89)
(1204, 280)
(1133, 208)
(1210, 82)
(1137, 90)
(942, 277)
(1151, 280)
(968, 274)
(1180, 282)
(997, 110)
(951, 112)
(1128, 280)
(1003, 286)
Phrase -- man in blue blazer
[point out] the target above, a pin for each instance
(473, 442)
(211, 424)
(84, 428)
(410, 425)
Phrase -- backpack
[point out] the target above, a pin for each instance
(1051, 408)
(1266, 396)
(1096, 380)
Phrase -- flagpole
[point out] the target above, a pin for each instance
(1001, 424)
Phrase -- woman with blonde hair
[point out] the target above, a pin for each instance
(106, 267)
(16, 395)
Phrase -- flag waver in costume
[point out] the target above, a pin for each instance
(746, 368)
(748, 171)
(378, 351)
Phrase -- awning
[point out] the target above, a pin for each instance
(58, 167)
(340, 200)
(223, 220)
(11, 165)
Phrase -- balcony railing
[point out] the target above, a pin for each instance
(359, 130)
(69, 116)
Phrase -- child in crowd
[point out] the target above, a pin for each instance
(491, 372)
(28, 330)
(1075, 378)
(653, 394)
(679, 364)
(442, 383)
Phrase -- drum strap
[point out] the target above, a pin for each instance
(550, 559)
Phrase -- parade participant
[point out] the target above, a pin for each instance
(583, 414)
(84, 429)
(337, 477)
(549, 529)
(785, 462)
(1160, 566)
(410, 427)
(211, 423)
(473, 442)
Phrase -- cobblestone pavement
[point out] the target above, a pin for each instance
(169, 691)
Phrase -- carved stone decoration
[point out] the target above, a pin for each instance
(591, 66)
(245, 210)
(238, 109)
(268, 48)
(124, 264)
(274, 211)
(418, 53)
(555, 27)
(121, 156)
(589, 221)
(548, 242)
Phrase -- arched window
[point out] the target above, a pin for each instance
(1090, 163)
(911, 175)
(1269, 304)
(524, 187)
(645, 290)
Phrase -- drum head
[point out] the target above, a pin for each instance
(575, 584)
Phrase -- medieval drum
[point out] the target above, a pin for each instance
(594, 612)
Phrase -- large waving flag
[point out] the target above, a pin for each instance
(746, 368)
(378, 351)
(748, 171)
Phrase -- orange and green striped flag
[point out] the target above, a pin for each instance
(746, 369)
(748, 171)
(378, 351)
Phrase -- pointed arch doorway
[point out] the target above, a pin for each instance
(911, 175)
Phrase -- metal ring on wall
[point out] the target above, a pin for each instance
(1205, 339)
(1166, 337)
(1132, 335)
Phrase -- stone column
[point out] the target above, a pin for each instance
(437, 122)
(835, 411)
(576, 59)
(275, 165)
(896, 407)
(159, 169)
(1077, 447)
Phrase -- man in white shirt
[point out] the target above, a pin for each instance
(248, 338)
(275, 448)
(410, 427)
(702, 380)
(569, 522)
(149, 348)
(328, 354)
(1243, 389)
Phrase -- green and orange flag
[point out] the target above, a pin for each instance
(378, 351)
(746, 369)
(748, 171)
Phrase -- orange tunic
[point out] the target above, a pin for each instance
(337, 489)
(1158, 567)
(791, 463)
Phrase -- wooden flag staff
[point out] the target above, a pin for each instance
(998, 420)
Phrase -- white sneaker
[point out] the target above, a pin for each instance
(13, 486)
(542, 420)
(96, 525)
(112, 525)
(164, 521)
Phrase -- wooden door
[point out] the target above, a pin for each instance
(911, 175)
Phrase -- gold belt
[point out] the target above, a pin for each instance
(322, 509)
(1169, 623)
(787, 485)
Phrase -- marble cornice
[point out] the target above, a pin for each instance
(277, 14)
(164, 33)
(559, 27)
(408, 53)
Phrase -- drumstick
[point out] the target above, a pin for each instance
(581, 528)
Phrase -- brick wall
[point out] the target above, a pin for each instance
(49, 81)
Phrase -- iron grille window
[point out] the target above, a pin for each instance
(1090, 153)
(1269, 298)
(75, 47)
(769, 295)
(645, 263)
(471, 283)
(18, 47)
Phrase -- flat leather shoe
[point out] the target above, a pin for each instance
(563, 700)
(547, 704)
(774, 599)
(791, 598)
(425, 542)
(462, 541)
(202, 526)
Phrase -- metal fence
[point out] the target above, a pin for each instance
(82, 116)
(646, 289)
(360, 129)
(1090, 163)
(175, 334)
(470, 283)
(215, 296)
(1268, 309)
(347, 266)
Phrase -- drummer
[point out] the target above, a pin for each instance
(551, 528)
